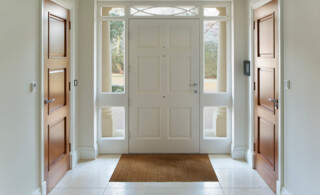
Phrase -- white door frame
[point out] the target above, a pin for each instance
(105, 99)
(68, 4)
(250, 154)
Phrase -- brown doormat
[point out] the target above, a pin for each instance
(164, 168)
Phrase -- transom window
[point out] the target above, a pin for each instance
(164, 11)
(112, 11)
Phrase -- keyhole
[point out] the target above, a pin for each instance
(164, 96)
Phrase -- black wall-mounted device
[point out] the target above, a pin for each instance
(246, 67)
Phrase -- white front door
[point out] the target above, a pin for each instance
(163, 86)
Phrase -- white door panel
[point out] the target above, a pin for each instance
(164, 108)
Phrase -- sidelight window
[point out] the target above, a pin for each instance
(214, 122)
(215, 56)
(113, 56)
(113, 122)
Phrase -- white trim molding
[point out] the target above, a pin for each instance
(37, 192)
(238, 152)
(284, 191)
(44, 188)
(68, 4)
(260, 3)
(41, 190)
(250, 158)
(75, 157)
(88, 153)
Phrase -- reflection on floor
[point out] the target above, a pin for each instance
(92, 178)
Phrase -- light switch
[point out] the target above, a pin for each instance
(33, 86)
(287, 84)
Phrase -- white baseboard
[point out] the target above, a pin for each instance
(284, 191)
(88, 153)
(278, 188)
(250, 158)
(37, 192)
(75, 157)
(44, 188)
(238, 152)
(41, 190)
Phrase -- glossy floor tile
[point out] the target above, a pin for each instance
(92, 178)
(248, 191)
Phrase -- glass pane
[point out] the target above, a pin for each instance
(215, 56)
(112, 11)
(214, 11)
(113, 56)
(215, 122)
(164, 11)
(113, 122)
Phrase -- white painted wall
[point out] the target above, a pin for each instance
(301, 34)
(19, 108)
(240, 81)
(86, 90)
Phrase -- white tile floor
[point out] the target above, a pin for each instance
(92, 178)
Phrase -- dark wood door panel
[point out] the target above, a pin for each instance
(57, 138)
(57, 36)
(266, 146)
(266, 87)
(56, 91)
(266, 36)
(266, 62)
(57, 88)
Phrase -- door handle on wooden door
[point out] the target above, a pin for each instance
(275, 101)
(46, 101)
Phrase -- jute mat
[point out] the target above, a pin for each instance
(164, 168)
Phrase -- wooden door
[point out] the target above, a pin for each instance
(56, 92)
(266, 92)
(164, 78)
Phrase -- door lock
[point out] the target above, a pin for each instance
(194, 85)
(275, 101)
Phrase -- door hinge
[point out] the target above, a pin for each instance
(254, 147)
(69, 25)
(254, 86)
(69, 147)
(69, 86)
(254, 25)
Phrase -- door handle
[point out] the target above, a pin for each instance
(194, 85)
(46, 101)
(275, 101)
